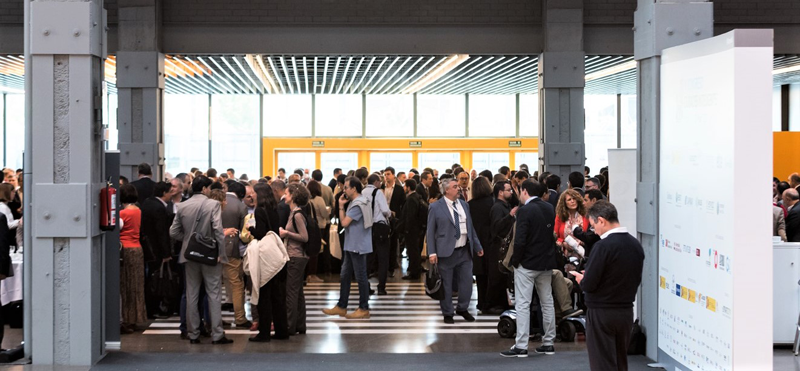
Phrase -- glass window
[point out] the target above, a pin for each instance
(528, 158)
(111, 112)
(492, 115)
(296, 160)
(287, 115)
(390, 115)
(338, 115)
(776, 108)
(628, 125)
(331, 160)
(400, 161)
(235, 140)
(15, 130)
(794, 101)
(185, 132)
(529, 115)
(601, 128)
(489, 160)
(441, 116)
(2, 139)
(438, 160)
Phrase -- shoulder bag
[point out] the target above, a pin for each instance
(201, 248)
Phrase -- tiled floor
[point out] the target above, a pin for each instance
(405, 321)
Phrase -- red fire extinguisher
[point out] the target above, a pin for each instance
(108, 207)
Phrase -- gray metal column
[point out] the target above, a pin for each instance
(67, 48)
(561, 82)
(657, 25)
(140, 84)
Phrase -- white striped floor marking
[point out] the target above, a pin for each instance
(421, 331)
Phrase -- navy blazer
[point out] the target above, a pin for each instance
(442, 229)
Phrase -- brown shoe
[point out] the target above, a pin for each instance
(358, 314)
(335, 311)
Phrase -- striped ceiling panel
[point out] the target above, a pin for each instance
(375, 74)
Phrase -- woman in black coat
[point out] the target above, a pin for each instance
(272, 296)
(480, 206)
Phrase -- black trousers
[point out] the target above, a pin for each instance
(608, 334)
(482, 282)
(394, 254)
(380, 248)
(272, 307)
(413, 244)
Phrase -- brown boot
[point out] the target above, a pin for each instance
(358, 314)
(335, 311)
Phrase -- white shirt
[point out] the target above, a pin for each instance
(462, 219)
(615, 230)
(12, 223)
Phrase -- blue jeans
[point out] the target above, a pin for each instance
(354, 263)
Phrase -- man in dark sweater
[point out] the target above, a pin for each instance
(612, 276)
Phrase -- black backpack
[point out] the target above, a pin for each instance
(314, 243)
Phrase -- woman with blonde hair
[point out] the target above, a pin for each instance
(570, 214)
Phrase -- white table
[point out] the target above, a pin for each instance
(786, 291)
(11, 287)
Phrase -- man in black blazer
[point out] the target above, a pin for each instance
(790, 199)
(554, 188)
(278, 190)
(413, 228)
(333, 182)
(155, 237)
(396, 198)
(145, 184)
(610, 282)
(534, 261)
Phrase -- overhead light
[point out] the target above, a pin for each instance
(11, 90)
(448, 65)
(611, 70)
(786, 69)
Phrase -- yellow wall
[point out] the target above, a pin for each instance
(785, 160)
(271, 147)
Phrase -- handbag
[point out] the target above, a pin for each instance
(433, 283)
(507, 251)
(164, 283)
(336, 247)
(200, 248)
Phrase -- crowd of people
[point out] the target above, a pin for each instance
(785, 217)
(274, 235)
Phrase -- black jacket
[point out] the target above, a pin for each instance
(412, 225)
(283, 214)
(480, 209)
(502, 221)
(155, 229)
(6, 267)
(614, 272)
(589, 238)
(398, 198)
(793, 224)
(534, 244)
(553, 200)
(144, 188)
(332, 184)
(266, 220)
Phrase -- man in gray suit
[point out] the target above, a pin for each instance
(451, 243)
(232, 219)
(210, 215)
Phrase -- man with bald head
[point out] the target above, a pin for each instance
(790, 198)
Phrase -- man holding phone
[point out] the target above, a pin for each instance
(610, 281)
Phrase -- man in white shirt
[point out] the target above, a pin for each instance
(380, 228)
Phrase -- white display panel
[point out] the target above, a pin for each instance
(714, 225)
(622, 164)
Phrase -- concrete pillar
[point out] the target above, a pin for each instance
(140, 86)
(66, 52)
(657, 25)
(561, 82)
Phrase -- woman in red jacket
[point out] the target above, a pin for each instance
(570, 213)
